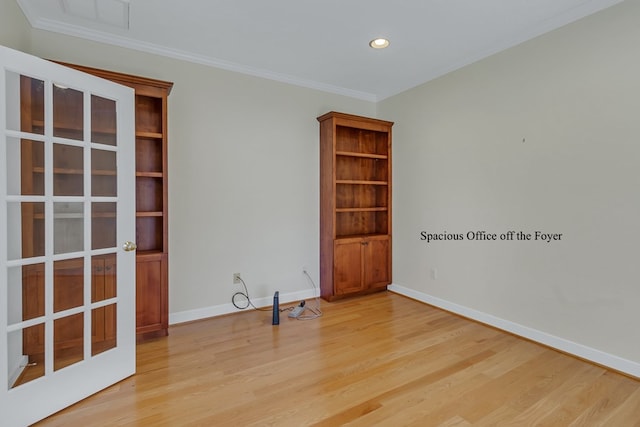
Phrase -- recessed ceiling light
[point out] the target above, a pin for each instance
(379, 43)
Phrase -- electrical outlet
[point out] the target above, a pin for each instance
(305, 269)
(236, 278)
(434, 273)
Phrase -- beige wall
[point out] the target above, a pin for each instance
(14, 29)
(461, 165)
(243, 172)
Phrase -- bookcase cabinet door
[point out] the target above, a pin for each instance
(377, 266)
(348, 266)
(361, 265)
(151, 298)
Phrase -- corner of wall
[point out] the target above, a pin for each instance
(15, 31)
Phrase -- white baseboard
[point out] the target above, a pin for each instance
(219, 310)
(596, 356)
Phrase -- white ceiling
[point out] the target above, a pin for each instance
(311, 43)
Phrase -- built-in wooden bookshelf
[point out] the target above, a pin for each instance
(355, 205)
(151, 97)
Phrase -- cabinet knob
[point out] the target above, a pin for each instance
(129, 246)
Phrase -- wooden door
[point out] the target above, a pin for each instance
(376, 256)
(67, 282)
(347, 266)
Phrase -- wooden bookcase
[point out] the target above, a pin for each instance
(355, 205)
(152, 308)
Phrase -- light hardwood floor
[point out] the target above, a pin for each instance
(382, 360)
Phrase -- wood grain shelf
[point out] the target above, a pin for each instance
(150, 174)
(40, 216)
(148, 214)
(66, 171)
(360, 182)
(151, 135)
(375, 209)
(363, 155)
(147, 253)
(39, 124)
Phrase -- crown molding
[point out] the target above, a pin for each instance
(566, 17)
(120, 41)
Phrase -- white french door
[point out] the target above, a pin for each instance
(67, 219)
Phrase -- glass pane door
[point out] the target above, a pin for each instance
(67, 327)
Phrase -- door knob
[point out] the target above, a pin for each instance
(129, 246)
